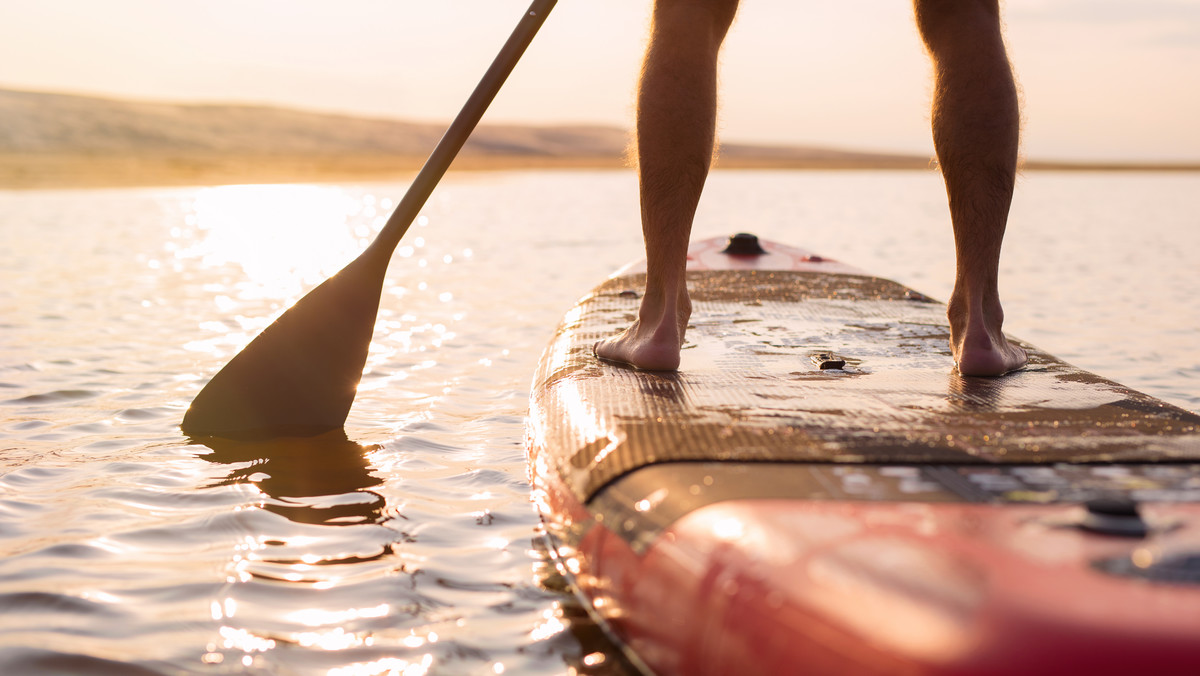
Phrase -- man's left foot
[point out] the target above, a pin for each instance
(979, 345)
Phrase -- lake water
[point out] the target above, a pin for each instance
(411, 547)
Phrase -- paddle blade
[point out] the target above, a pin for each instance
(300, 375)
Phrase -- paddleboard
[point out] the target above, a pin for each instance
(817, 491)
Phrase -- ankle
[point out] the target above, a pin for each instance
(974, 311)
(659, 304)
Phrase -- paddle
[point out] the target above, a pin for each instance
(300, 375)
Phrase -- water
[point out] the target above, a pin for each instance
(410, 546)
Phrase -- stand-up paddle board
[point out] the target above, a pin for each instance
(817, 491)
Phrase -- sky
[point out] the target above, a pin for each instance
(1101, 79)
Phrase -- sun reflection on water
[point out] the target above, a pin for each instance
(241, 639)
(387, 665)
(316, 617)
(550, 626)
(285, 238)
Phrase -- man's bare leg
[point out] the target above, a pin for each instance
(676, 123)
(976, 126)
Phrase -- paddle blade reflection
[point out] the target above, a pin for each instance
(322, 480)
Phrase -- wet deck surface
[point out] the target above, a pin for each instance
(751, 388)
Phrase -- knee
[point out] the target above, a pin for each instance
(722, 11)
(945, 23)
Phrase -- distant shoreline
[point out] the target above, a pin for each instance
(82, 171)
(59, 171)
(53, 140)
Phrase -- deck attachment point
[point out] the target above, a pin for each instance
(827, 360)
(1114, 516)
(744, 244)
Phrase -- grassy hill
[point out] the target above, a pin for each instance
(49, 139)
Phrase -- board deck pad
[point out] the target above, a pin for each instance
(752, 388)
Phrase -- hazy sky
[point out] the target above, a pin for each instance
(1102, 79)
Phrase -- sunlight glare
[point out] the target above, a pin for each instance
(334, 639)
(386, 665)
(551, 626)
(316, 617)
(285, 238)
(241, 639)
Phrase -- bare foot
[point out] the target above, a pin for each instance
(978, 343)
(654, 340)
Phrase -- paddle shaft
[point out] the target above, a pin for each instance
(458, 132)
